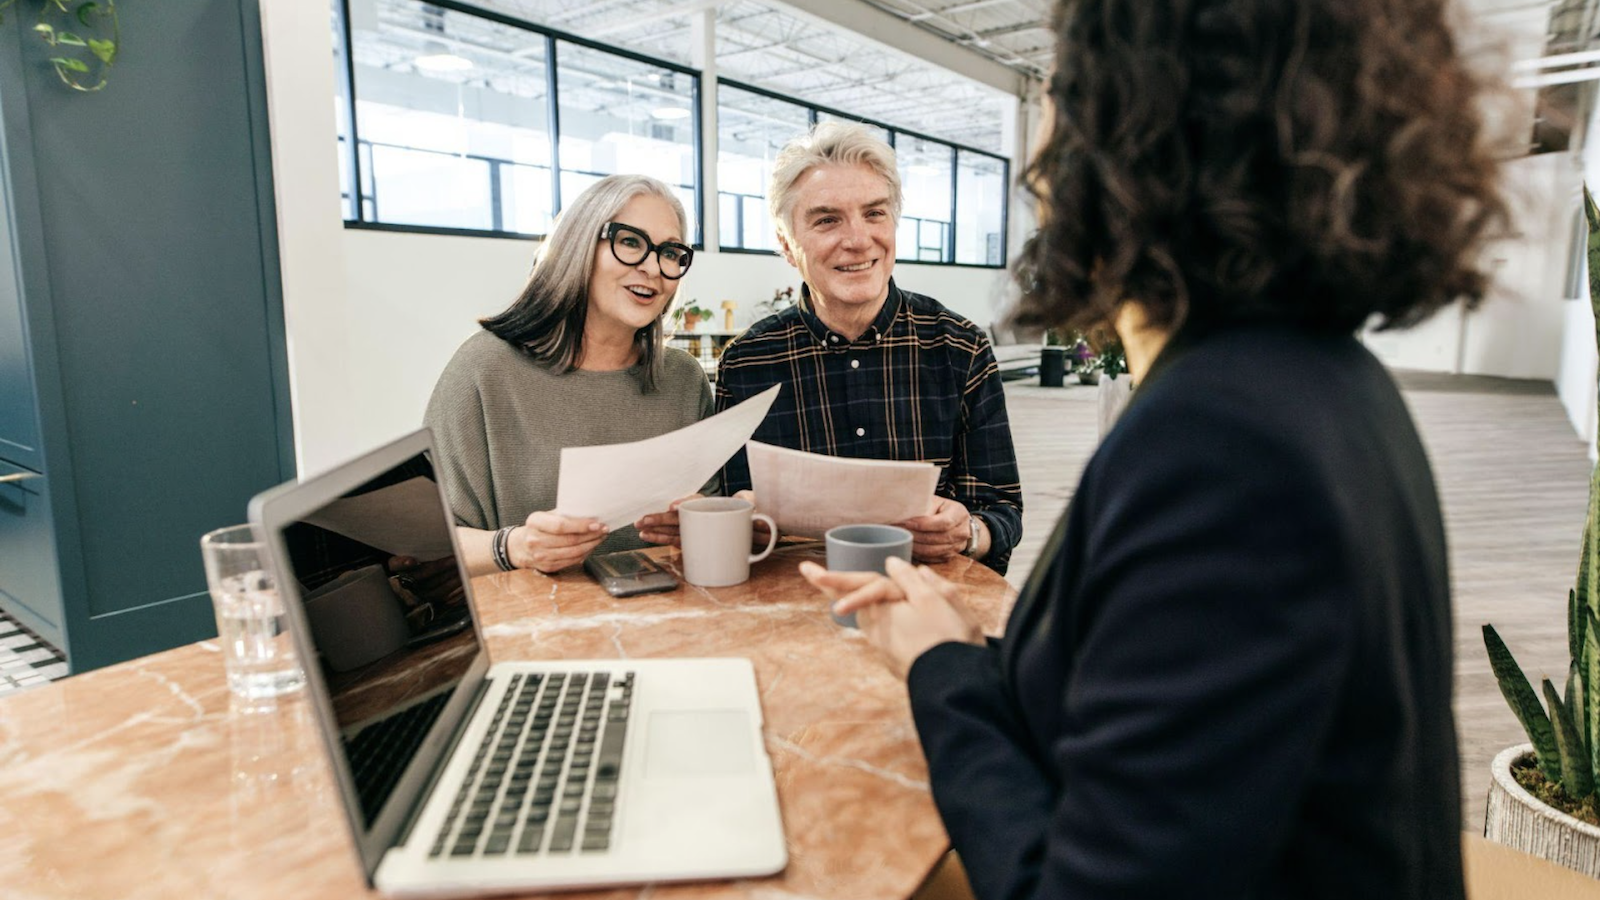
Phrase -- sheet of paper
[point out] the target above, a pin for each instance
(618, 483)
(808, 493)
(387, 519)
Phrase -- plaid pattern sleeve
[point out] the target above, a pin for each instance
(920, 384)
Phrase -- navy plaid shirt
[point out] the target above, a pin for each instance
(920, 384)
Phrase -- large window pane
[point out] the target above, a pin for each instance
(980, 209)
(425, 187)
(925, 171)
(751, 128)
(619, 115)
(450, 110)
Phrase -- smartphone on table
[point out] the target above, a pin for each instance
(629, 572)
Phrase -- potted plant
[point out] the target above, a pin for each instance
(1052, 360)
(690, 314)
(1116, 387)
(1543, 797)
(1085, 361)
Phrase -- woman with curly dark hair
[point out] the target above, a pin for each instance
(1229, 675)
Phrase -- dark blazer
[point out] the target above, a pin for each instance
(1230, 674)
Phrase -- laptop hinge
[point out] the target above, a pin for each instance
(421, 802)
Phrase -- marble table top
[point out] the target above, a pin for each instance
(147, 780)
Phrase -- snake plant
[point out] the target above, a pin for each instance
(1565, 732)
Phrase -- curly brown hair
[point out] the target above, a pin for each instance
(1311, 162)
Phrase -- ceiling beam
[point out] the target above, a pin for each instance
(896, 33)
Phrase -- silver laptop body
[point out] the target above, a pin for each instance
(459, 778)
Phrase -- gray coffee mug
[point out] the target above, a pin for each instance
(864, 548)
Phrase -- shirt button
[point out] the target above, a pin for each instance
(861, 432)
(855, 363)
(834, 338)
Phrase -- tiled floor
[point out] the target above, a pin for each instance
(26, 661)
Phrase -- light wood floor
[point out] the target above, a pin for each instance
(1513, 477)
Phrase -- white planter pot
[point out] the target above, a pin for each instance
(1518, 819)
(1115, 391)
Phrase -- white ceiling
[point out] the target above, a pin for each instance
(790, 51)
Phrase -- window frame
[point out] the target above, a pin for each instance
(551, 36)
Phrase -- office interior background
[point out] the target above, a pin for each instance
(250, 255)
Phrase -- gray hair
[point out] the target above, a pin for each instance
(829, 143)
(546, 320)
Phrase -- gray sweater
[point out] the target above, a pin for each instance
(500, 419)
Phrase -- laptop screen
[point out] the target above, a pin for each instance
(387, 615)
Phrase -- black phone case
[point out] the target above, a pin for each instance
(628, 573)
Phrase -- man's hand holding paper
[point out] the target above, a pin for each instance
(808, 493)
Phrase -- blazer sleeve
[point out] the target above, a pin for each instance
(984, 781)
(1211, 624)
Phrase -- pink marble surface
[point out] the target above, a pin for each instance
(147, 780)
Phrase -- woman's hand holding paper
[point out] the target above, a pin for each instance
(550, 542)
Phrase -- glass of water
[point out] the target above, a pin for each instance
(257, 651)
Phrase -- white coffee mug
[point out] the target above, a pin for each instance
(716, 534)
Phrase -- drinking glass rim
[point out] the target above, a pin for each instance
(222, 537)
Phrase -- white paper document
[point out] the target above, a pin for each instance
(808, 493)
(618, 483)
(386, 519)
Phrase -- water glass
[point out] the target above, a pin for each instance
(257, 651)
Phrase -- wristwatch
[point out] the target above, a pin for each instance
(972, 539)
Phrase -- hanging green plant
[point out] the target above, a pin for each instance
(82, 36)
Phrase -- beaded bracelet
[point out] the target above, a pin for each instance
(502, 553)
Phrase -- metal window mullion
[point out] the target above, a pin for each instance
(354, 143)
(553, 113)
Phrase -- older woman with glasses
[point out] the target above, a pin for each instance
(578, 359)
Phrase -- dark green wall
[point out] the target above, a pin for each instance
(151, 311)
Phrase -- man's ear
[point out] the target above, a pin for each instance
(783, 244)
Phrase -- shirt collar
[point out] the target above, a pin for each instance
(834, 340)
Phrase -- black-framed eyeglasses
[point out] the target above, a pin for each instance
(630, 246)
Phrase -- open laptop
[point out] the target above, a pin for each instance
(461, 778)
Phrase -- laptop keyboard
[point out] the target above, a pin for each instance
(545, 778)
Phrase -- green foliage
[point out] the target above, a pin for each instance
(1566, 742)
(1524, 703)
(81, 61)
(1113, 361)
(1576, 777)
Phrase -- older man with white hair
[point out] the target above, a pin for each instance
(874, 371)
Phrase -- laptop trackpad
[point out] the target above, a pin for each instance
(699, 744)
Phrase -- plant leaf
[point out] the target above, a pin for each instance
(1575, 698)
(1524, 703)
(1589, 668)
(46, 32)
(1576, 779)
(106, 51)
(85, 10)
(70, 39)
(71, 65)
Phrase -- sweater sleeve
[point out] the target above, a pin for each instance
(461, 445)
(1214, 618)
